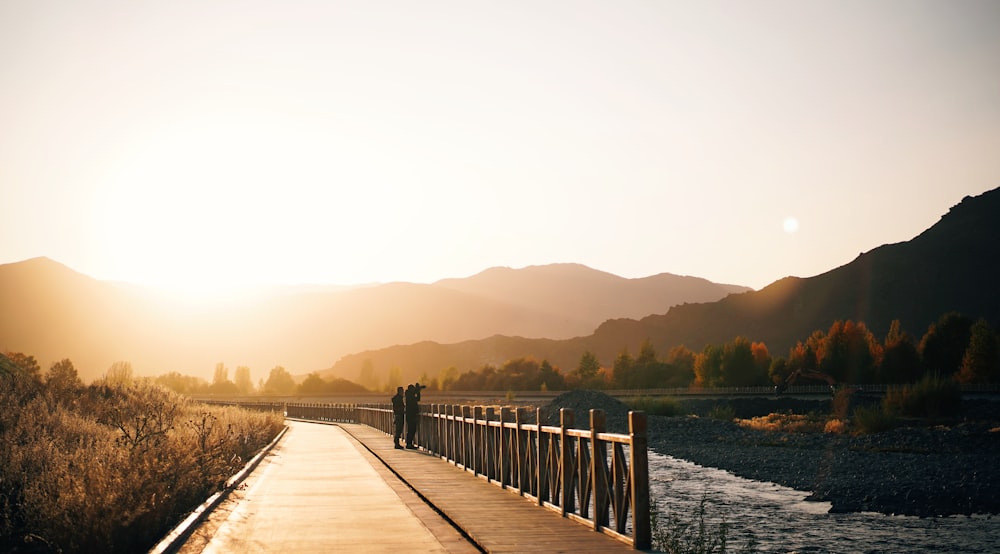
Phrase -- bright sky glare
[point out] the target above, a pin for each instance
(210, 145)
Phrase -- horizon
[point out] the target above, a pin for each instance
(204, 148)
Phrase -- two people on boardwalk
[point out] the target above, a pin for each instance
(406, 411)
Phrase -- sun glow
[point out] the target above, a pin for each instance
(790, 225)
(207, 207)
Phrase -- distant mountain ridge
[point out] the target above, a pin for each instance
(952, 266)
(52, 312)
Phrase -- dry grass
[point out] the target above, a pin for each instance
(787, 423)
(111, 468)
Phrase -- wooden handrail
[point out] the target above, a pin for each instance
(594, 477)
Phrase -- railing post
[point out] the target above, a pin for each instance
(541, 468)
(466, 436)
(490, 452)
(505, 452)
(516, 456)
(565, 459)
(598, 471)
(639, 467)
(478, 441)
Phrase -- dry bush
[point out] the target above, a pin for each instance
(789, 423)
(835, 426)
(113, 468)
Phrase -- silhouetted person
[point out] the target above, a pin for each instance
(398, 414)
(412, 413)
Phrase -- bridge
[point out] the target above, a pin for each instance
(483, 480)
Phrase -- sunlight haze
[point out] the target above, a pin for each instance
(207, 146)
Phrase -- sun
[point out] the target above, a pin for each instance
(790, 225)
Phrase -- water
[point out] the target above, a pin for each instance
(782, 520)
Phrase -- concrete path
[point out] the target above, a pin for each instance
(320, 491)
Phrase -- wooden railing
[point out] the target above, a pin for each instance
(594, 477)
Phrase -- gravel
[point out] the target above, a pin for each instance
(921, 471)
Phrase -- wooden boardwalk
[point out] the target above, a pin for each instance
(343, 488)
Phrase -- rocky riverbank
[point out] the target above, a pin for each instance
(918, 470)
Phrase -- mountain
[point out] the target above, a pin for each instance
(952, 266)
(53, 312)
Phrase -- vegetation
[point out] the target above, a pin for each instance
(931, 397)
(675, 535)
(109, 467)
(658, 406)
(954, 347)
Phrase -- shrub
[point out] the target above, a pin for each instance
(722, 412)
(790, 423)
(933, 396)
(835, 426)
(114, 468)
(872, 419)
(660, 406)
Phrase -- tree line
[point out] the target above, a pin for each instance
(955, 347)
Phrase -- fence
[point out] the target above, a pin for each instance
(596, 478)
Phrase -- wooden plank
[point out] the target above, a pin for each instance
(497, 520)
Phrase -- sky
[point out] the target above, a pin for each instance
(213, 145)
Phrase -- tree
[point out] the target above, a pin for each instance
(367, 377)
(119, 374)
(447, 376)
(550, 377)
(849, 353)
(981, 363)
(588, 367)
(244, 384)
(900, 359)
(279, 381)
(622, 370)
(708, 367)
(183, 384)
(220, 381)
(28, 366)
(394, 379)
(313, 384)
(738, 367)
(62, 380)
(944, 344)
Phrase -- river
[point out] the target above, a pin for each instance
(783, 521)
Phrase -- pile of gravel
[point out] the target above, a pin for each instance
(581, 402)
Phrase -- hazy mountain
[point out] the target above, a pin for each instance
(954, 265)
(52, 312)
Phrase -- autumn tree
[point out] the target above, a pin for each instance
(62, 380)
(220, 381)
(943, 346)
(708, 367)
(849, 353)
(279, 381)
(981, 362)
(738, 367)
(447, 376)
(367, 377)
(622, 370)
(312, 384)
(588, 366)
(900, 358)
(244, 384)
(119, 374)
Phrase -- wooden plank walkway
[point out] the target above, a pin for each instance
(319, 490)
(497, 520)
(343, 488)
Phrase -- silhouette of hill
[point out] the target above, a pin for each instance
(952, 266)
(53, 312)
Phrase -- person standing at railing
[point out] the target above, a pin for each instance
(412, 413)
(398, 414)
